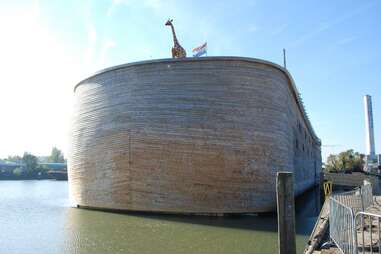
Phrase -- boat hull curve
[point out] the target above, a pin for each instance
(203, 136)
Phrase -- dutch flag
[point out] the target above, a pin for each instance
(201, 50)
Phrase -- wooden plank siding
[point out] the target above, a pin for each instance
(204, 135)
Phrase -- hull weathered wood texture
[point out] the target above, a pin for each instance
(194, 135)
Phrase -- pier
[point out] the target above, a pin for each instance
(352, 180)
(349, 221)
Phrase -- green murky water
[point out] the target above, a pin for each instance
(36, 217)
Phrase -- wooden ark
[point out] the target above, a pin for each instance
(194, 135)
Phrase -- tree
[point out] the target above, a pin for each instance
(14, 158)
(333, 164)
(17, 171)
(56, 156)
(30, 161)
(349, 159)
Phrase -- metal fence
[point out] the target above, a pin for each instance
(341, 226)
(367, 195)
(343, 208)
(368, 238)
(352, 199)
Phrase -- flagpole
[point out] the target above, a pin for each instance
(200, 50)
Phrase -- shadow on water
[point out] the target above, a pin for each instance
(264, 222)
(307, 208)
(42, 209)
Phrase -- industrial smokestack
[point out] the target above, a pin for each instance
(370, 149)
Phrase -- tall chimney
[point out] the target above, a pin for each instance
(370, 149)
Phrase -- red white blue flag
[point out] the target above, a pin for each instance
(201, 50)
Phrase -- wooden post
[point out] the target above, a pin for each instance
(286, 213)
(321, 187)
(321, 180)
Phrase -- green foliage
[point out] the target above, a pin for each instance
(17, 171)
(30, 161)
(43, 167)
(14, 158)
(56, 156)
(43, 159)
(347, 160)
(29, 165)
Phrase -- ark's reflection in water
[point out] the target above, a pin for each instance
(89, 231)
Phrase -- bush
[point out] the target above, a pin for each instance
(17, 171)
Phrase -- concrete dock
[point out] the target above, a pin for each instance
(320, 229)
(375, 239)
(349, 223)
(355, 179)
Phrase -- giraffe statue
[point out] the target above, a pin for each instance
(177, 50)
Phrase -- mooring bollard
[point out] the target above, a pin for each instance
(286, 213)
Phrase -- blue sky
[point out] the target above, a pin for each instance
(46, 47)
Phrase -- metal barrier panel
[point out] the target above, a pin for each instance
(368, 235)
(352, 199)
(341, 226)
(358, 199)
(367, 195)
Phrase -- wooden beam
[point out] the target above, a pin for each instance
(286, 213)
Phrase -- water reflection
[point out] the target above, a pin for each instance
(35, 217)
(100, 232)
(90, 231)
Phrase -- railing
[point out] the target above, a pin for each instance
(368, 235)
(343, 225)
(367, 195)
(352, 199)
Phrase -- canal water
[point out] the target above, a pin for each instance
(36, 217)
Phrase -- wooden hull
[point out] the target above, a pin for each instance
(195, 135)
